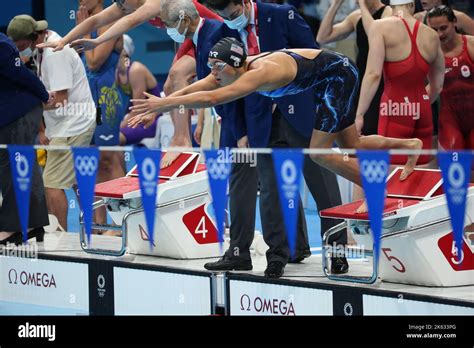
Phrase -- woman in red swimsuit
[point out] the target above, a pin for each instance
(457, 99)
(408, 53)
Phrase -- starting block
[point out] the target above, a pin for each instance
(183, 226)
(417, 244)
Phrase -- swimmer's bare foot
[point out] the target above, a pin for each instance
(363, 209)
(112, 233)
(170, 156)
(5, 235)
(412, 144)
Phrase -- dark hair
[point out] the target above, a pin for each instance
(33, 36)
(442, 11)
(220, 5)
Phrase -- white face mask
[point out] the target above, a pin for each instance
(175, 35)
(238, 23)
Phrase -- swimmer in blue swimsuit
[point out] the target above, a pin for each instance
(333, 78)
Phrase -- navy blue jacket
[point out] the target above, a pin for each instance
(280, 26)
(20, 90)
(208, 36)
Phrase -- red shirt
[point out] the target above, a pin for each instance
(187, 48)
(203, 11)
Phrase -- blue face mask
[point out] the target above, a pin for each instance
(26, 53)
(175, 35)
(238, 23)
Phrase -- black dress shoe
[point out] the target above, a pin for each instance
(300, 257)
(226, 263)
(339, 265)
(275, 269)
(17, 237)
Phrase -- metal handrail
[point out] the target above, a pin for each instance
(103, 202)
(326, 254)
(375, 263)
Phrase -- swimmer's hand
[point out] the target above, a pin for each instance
(55, 45)
(151, 104)
(82, 45)
(146, 110)
(146, 121)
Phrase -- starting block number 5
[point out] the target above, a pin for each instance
(393, 259)
(201, 227)
(454, 251)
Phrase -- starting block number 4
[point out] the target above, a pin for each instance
(201, 228)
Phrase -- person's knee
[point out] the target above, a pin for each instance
(316, 158)
(53, 191)
(107, 161)
(176, 77)
(54, 196)
(449, 139)
(168, 87)
(323, 160)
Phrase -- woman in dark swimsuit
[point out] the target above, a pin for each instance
(358, 21)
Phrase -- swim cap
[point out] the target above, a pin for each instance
(128, 45)
(400, 2)
(230, 51)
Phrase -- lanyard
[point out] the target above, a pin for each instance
(40, 59)
(202, 24)
(255, 13)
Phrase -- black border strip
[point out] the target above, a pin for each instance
(227, 294)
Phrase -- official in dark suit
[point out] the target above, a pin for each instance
(283, 122)
(21, 106)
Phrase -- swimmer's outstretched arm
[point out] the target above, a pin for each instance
(107, 16)
(373, 73)
(208, 83)
(149, 10)
(248, 83)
